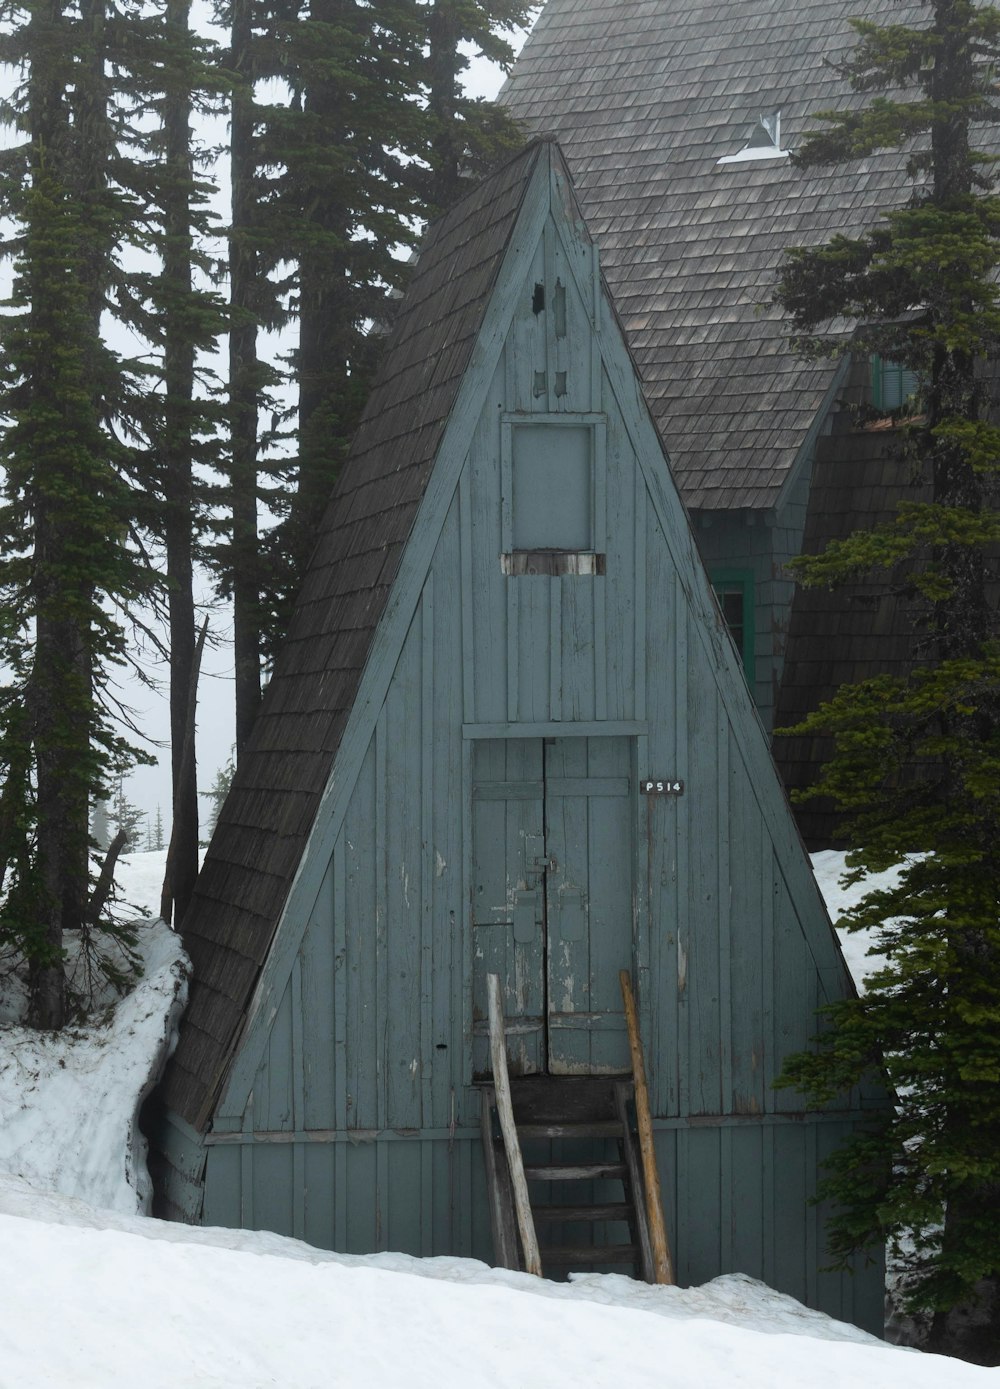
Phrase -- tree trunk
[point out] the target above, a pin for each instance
(178, 482)
(244, 382)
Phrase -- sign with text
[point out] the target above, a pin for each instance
(662, 786)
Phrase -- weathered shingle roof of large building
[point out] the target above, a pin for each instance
(265, 822)
(645, 96)
(856, 631)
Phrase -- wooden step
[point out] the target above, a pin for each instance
(590, 1254)
(562, 1099)
(599, 1128)
(579, 1172)
(610, 1210)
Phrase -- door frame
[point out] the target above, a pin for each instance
(637, 732)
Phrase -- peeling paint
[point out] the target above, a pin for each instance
(520, 983)
(682, 965)
(439, 864)
(567, 998)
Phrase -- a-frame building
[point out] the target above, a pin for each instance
(505, 646)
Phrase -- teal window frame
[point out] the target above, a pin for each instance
(741, 581)
(893, 385)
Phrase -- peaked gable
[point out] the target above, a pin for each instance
(646, 98)
(281, 826)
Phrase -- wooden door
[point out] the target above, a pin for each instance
(589, 902)
(552, 900)
(508, 898)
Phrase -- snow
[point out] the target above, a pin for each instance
(104, 1296)
(829, 867)
(141, 1302)
(69, 1101)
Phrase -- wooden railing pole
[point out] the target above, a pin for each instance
(511, 1142)
(662, 1265)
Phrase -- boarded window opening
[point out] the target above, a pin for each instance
(552, 485)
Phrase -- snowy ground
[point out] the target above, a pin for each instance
(98, 1296)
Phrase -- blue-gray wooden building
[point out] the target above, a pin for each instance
(505, 634)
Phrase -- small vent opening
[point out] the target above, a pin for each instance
(763, 141)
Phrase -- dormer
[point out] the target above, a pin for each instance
(763, 141)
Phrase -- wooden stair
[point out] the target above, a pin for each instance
(578, 1141)
(582, 1135)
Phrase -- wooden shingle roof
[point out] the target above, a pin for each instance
(266, 819)
(644, 97)
(851, 633)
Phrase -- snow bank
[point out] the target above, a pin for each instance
(734, 1298)
(104, 1298)
(173, 1308)
(70, 1100)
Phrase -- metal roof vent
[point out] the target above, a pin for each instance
(764, 141)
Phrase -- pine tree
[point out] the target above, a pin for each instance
(65, 570)
(170, 308)
(374, 140)
(467, 136)
(916, 759)
(219, 790)
(246, 379)
(126, 818)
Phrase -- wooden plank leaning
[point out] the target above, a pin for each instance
(502, 1219)
(511, 1143)
(663, 1268)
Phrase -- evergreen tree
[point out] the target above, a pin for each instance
(65, 568)
(219, 790)
(467, 136)
(373, 141)
(172, 74)
(916, 759)
(246, 377)
(126, 818)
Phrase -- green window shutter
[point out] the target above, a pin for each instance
(734, 588)
(892, 384)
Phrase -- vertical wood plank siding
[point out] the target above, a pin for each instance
(378, 1037)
